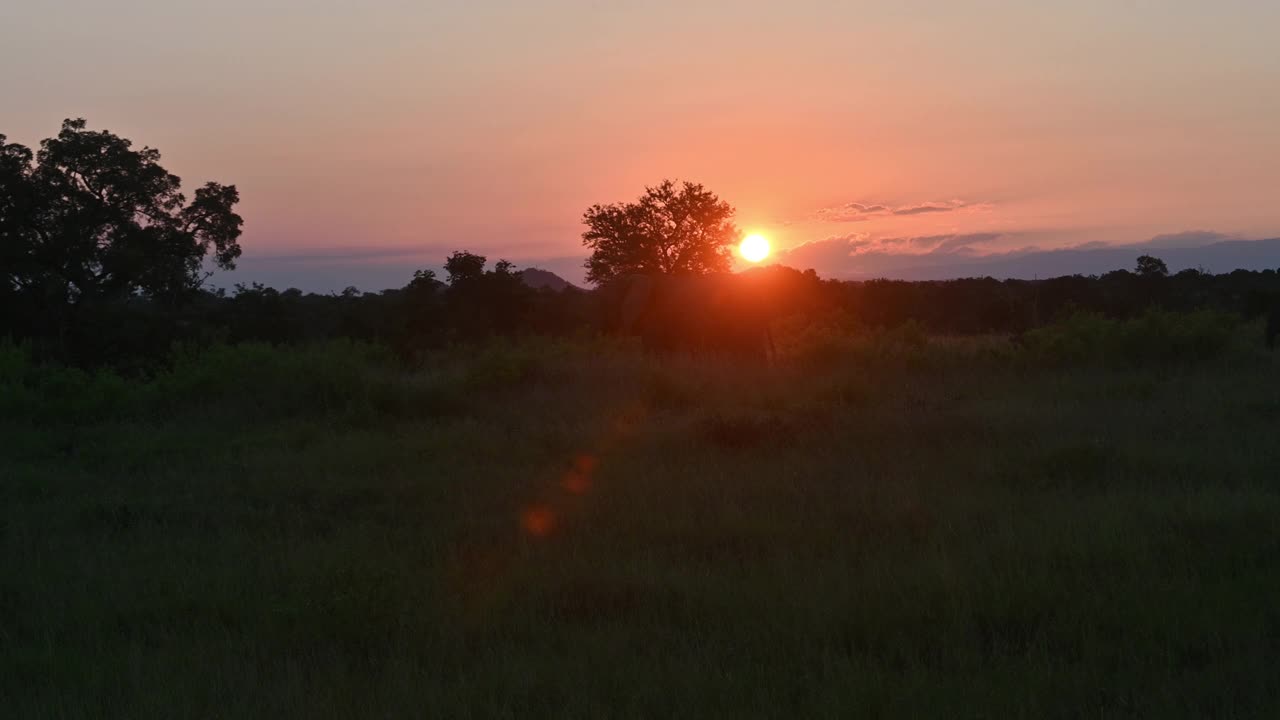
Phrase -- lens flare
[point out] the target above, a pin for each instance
(754, 248)
(538, 521)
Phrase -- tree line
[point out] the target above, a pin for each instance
(474, 304)
(104, 260)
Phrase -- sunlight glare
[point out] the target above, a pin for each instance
(754, 247)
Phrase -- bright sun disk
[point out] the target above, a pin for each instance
(754, 247)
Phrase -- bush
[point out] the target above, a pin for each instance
(1154, 338)
(51, 392)
(349, 380)
(1157, 338)
(501, 364)
(346, 381)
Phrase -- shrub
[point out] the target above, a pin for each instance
(349, 380)
(52, 392)
(499, 365)
(344, 381)
(15, 363)
(1154, 338)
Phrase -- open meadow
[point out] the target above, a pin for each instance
(589, 360)
(888, 525)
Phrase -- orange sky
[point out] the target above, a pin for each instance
(369, 139)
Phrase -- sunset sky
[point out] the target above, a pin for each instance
(371, 138)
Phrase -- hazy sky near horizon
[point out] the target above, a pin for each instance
(386, 134)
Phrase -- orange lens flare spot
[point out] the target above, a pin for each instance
(576, 482)
(578, 479)
(538, 521)
(585, 464)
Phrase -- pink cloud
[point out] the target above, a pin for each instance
(860, 212)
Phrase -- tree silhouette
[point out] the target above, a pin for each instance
(423, 281)
(93, 218)
(481, 303)
(1150, 266)
(464, 267)
(668, 230)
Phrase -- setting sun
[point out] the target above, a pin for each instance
(754, 248)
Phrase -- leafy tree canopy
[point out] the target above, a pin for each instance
(670, 229)
(90, 217)
(464, 267)
(1151, 266)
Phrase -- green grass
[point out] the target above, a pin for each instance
(901, 526)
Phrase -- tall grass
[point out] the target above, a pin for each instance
(882, 524)
(338, 380)
(1154, 338)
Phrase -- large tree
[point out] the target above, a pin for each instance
(89, 217)
(669, 230)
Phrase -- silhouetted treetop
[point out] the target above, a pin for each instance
(1150, 266)
(668, 230)
(92, 217)
(463, 267)
(423, 280)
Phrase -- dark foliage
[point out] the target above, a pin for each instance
(1149, 266)
(135, 333)
(102, 264)
(976, 305)
(668, 230)
(93, 219)
(94, 232)
(1273, 325)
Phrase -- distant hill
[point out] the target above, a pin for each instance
(537, 278)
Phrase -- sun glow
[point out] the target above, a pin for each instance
(754, 248)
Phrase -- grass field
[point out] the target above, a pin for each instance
(909, 526)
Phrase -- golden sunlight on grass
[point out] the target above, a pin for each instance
(754, 247)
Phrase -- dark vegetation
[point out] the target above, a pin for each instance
(669, 230)
(468, 498)
(886, 524)
(428, 314)
(103, 263)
